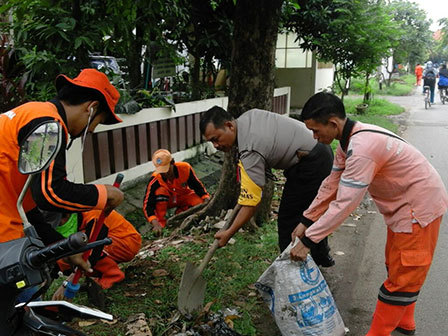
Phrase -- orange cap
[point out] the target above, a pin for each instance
(161, 160)
(94, 79)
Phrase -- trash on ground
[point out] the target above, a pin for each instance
(137, 325)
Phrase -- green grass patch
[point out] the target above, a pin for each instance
(401, 86)
(377, 113)
(230, 276)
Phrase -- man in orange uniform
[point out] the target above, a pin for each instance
(418, 74)
(126, 243)
(406, 189)
(81, 104)
(172, 185)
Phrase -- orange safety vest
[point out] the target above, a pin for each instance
(15, 126)
(184, 183)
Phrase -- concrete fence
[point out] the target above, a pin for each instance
(127, 147)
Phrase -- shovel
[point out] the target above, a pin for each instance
(191, 293)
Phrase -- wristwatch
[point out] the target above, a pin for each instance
(65, 283)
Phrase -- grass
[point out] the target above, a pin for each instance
(377, 113)
(401, 86)
(230, 277)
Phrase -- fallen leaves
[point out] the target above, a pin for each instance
(137, 325)
(127, 294)
(160, 273)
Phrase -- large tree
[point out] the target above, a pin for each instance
(252, 74)
(352, 34)
(415, 37)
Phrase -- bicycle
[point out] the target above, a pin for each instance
(427, 91)
(443, 94)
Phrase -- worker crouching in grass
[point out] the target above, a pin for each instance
(172, 185)
(126, 243)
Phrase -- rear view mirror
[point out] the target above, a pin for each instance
(40, 147)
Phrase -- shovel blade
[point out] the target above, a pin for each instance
(190, 297)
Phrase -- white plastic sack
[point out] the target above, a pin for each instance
(299, 298)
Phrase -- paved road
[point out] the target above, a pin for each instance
(428, 131)
(360, 270)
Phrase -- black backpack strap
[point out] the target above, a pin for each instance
(381, 132)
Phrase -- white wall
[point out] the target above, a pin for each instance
(324, 79)
(74, 155)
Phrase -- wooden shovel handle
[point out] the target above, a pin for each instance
(214, 246)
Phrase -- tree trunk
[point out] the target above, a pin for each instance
(367, 91)
(251, 86)
(195, 80)
(252, 75)
(134, 56)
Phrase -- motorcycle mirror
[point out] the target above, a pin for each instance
(40, 147)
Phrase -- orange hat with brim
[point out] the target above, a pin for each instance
(161, 160)
(94, 79)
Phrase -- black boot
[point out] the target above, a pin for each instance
(321, 254)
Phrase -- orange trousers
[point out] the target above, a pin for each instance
(126, 242)
(179, 201)
(418, 80)
(408, 259)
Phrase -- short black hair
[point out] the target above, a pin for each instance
(215, 115)
(322, 106)
(76, 95)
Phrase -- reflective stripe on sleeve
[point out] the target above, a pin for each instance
(353, 184)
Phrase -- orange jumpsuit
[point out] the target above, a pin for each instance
(126, 243)
(418, 74)
(51, 190)
(185, 191)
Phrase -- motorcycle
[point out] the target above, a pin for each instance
(26, 263)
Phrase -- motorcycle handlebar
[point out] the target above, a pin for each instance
(56, 251)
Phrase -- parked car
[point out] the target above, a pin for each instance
(105, 63)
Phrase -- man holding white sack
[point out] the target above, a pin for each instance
(407, 190)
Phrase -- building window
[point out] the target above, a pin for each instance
(289, 54)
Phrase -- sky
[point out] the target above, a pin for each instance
(435, 9)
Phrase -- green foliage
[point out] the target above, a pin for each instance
(401, 86)
(57, 37)
(354, 35)
(415, 36)
(376, 114)
(12, 78)
(439, 53)
(52, 39)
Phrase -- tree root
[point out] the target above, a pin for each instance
(174, 220)
(225, 197)
(198, 212)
